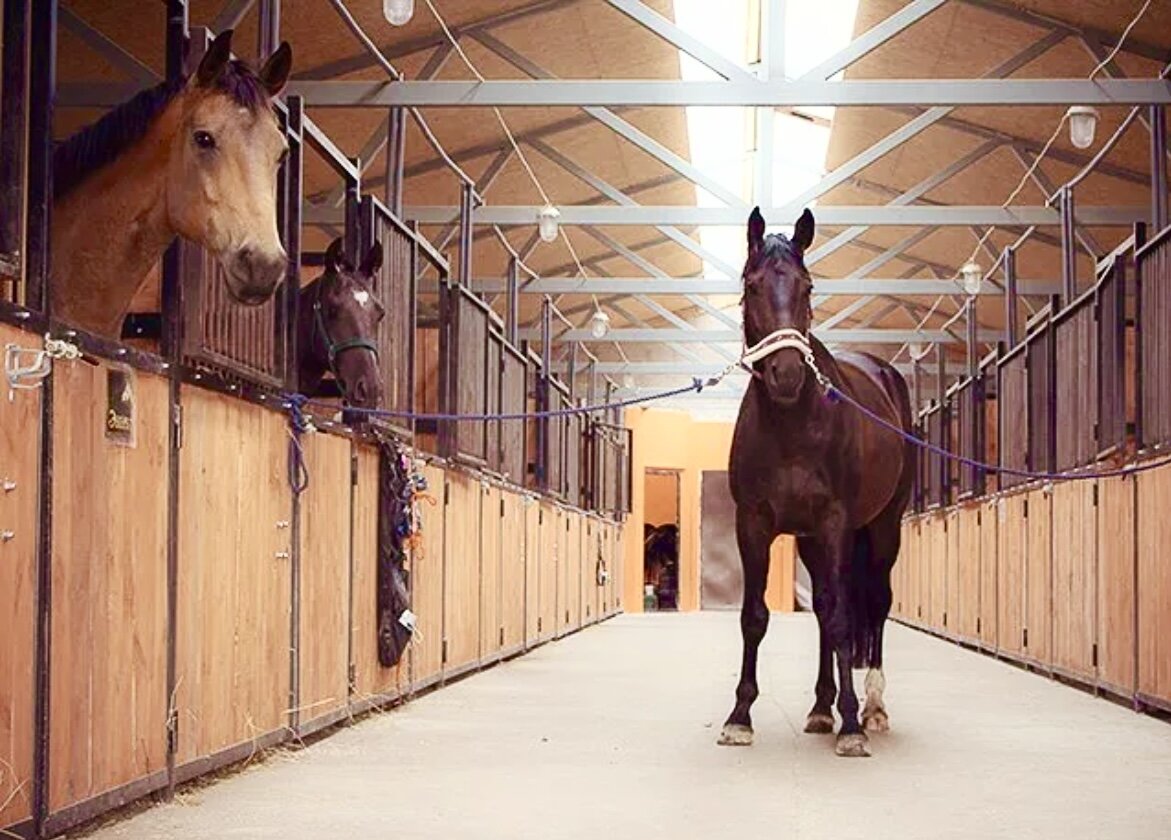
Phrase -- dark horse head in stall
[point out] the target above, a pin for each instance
(337, 330)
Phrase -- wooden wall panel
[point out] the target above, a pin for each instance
(323, 642)
(108, 690)
(937, 561)
(969, 521)
(370, 679)
(1154, 583)
(989, 547)
(534, 566)
(925, 575)
(513, 579)
(234, 595)
(1116, 579)
(590, 545)
(1038, 588)
(1012, 546)
(461, 579)
(951, 609)
(1075, 541)
(491, 628)
(427, 581)
(20, 423)
(551, 581)
(573, 553)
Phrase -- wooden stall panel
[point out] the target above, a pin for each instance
(1074, 576)
(108, 690)
(427, 582)
(323, 640)
(232, 636)
(986, 616)
(936, 559)
(1012, 546)
(967, 568)
(534, 566)
(1154, 584)
(20, 423)
(951, 610)
(369, 678)
(620, 566)
(461, 578)
(592, 553)
(1116, 577)
(491, 627)
(573, 553)
(925, 545)
(1038, 587)
(513, 581)
(552, 582)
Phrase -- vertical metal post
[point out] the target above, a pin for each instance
(466, 199)
(1012, 324)
(1068, 247)
(353, 204)
(973, 349)
(1158, 168)
(396, 145)
(940, 373)
(512, 313)
(543, 401)
(293, 174)
(12, 137)
(268, 35)
(571, 369)
(916, 387)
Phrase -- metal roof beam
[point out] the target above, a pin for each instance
(730, 336)
(609, 93)
(836, 215)
(112, 52)
(683, 286)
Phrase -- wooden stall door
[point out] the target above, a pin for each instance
(619, 576)
(1039, 586)
(534, 568)
(232, 634)
(20, 423)
(513, 572)
(491, 628)
(1075, 541)
(108, 691)
(954, 524)
(461, 578)
(573, 594)
(564, 560)
(1116, 576)
(588, 569)
(550, 523)
(427, 582)
(721, 581)
(989, 543)
(970, 522)
(369, 679)
(1154, 584)
(1012, 546)
(323, 640)
(937, 562)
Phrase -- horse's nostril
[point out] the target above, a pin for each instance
(361, 391)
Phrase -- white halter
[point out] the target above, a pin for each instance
(785, 338)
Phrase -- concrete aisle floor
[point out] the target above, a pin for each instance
(611, 734)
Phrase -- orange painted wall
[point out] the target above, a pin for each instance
(672, 440)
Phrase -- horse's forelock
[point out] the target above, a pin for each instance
(243, 86)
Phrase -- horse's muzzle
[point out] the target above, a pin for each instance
(253, 277)
(784, 381)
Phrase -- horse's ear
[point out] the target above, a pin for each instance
(215, 59)
(803, 231)
(275, 72)
(372, 262)
(755, 232)
(335, 256)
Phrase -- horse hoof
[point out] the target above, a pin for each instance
(876, 721)
(735, 735)
(819, 724)
(852, 745)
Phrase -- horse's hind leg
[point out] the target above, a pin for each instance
(754, 535)
(885, 538)
(820, 720)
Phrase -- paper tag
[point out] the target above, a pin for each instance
(407, 620)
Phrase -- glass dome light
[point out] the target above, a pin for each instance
(628, 380)
(972, 276)
(599, 324)
(917, 349)
(1083, 121)
(548, 220)
(398, 12)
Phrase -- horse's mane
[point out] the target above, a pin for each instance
(102, 142)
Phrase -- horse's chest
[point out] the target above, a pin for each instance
(800, 496)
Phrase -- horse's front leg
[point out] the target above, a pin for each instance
(754, 534)
(832, 603)
(820, 719)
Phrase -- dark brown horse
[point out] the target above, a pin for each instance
(804, 463)
(337, 330)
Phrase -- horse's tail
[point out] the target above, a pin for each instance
(864, 583)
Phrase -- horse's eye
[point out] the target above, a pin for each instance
(203, 140)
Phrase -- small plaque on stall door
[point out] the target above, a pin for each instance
(119, 419)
